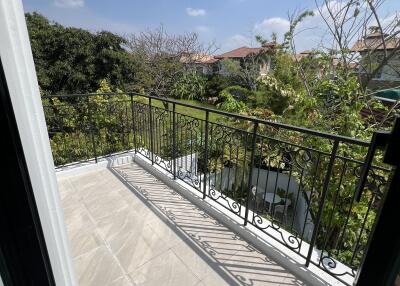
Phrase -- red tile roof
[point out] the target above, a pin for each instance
(241, 52)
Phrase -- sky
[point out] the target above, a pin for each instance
(228, 23)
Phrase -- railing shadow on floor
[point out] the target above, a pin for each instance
(233, 259)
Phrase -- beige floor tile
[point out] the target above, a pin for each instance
(196, 259)
(78, 221)
(84, 241)
(122, 281)
(119, 223)
(166, 269)
(220, 244)
(87, 180)
(70, 200)
(97, 267)
(64, 186)
(169, 232)
(221, 278)
(105, 205)
(136, 248)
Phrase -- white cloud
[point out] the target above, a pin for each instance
(69, 3)
(195, 12)
(272, 25)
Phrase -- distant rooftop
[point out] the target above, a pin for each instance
(374, 42)
(244, 51)
(198, 58)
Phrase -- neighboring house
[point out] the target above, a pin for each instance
(323, 69)
(386, 80)
(201, 62)
(208, 64)
(244, 54)
(372, 51)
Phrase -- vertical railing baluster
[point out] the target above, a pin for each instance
(322, 201)
(151, 133)
(205, 163)
(249, 183)
(91, 127)
(174, 140)
(133, 125)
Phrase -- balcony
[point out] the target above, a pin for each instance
(156, 194)
(128, 228)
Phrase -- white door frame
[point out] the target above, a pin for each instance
(17, 60)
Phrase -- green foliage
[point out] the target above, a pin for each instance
(334, 107)
(215, 84)
(245, 71)
(274, 95)
(284, 70)
(72, 60)
(239, 93)
(230, 67)
(191, 85)
(229, 103)
(81, 128)
(293, 25)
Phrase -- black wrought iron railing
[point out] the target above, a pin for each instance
(295, 184)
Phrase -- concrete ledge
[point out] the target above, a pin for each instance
(79, 168)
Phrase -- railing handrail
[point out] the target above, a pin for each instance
(330, 136)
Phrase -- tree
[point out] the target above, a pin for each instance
(350, 20)
(191, 85)
(330, 99)
(160, 56)
(247, 70)
(229, 103)
(72, 60)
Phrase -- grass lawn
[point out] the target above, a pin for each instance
(187, 110)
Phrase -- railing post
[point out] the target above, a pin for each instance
(174, 140)
(322, 201)
(91, 126)
(151, 133)
(133, 125)
(249, 183)
(205, 156)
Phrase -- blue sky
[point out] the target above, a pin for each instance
(230, 23)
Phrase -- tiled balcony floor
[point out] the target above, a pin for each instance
(138, 231)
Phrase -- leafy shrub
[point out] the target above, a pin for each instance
(239, 93)
(215, 84)
(190, 85)
(229, 103)
(273, 94)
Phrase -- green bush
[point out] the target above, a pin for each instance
(229, 103)
(215, 84)
(239, 92)
(273, 94)
(191, 85)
